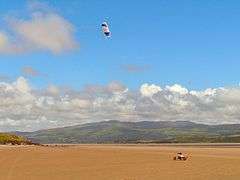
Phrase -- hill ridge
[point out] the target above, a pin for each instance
(114, 131)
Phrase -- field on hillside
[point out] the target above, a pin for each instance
(118, 162)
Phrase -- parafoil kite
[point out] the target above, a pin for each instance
(105, 29)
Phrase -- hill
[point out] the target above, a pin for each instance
(138, 132)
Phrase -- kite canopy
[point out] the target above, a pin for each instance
(105, 29)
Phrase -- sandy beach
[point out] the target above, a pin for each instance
(118, 162)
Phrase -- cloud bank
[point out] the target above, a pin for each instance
(26, 109)
(42, 31)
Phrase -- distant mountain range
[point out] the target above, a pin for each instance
(138, 132)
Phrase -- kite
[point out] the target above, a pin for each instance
(105, 29)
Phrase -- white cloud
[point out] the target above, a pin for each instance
(149, 90)
(116, 87)
(24, 108)
(22, 85)
(81, 103)
(176, 88)
(53, 90)
(43, 31)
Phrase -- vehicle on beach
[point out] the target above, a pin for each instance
(180, 157)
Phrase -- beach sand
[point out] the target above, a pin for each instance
(118, 162)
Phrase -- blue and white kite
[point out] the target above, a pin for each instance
(105, 29)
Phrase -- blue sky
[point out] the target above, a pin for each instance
(191, 43)
(166, 60)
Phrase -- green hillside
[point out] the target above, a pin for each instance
(6, 138)
(138, 132)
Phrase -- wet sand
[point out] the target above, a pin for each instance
(118, 162)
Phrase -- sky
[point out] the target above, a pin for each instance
(175, 58)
